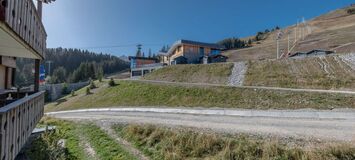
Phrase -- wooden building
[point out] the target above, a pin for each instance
(22, 34)
(191, 52)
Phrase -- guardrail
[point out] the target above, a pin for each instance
(22, 17)
(18, 120)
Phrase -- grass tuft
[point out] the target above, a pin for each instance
(164, 143)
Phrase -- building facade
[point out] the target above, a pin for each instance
(191, 52)
(143, 65)
(22, 35)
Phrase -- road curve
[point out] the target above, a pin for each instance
(332, 129)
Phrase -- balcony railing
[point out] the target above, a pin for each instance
(153, 65)
(22, 17)
(17, 121)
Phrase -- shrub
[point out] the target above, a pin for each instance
(111, 82)
(72, 93)
(88, 91)
(92, 85)
(351, 11)
(65, 88)
(48, 147)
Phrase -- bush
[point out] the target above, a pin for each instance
(65, 88)
(351, 11)
(48, 147)
(88, 91)
(111, 82)
(92, 85)
(72, 93)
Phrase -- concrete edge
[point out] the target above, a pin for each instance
(313, 114)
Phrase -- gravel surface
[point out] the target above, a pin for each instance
(238, 74)
(299, 128)
(349, 59)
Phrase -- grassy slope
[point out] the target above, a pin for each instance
(105, 147)
(301, 73)
(211, 73)
(164, 143)
(144, 94)
(329, 31)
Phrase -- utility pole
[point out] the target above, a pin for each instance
(303, 28)
(49, 66)
(278, 49)
(288, 43)
(279, 34)
(296, 32)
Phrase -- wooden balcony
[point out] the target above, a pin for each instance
(17, 121)
(20, 19)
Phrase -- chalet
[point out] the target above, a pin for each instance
(22, 34)
(191, 52)
(143, 65)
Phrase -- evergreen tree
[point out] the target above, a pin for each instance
(59, 75)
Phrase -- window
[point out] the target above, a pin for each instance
(215, 51)
(202, 51)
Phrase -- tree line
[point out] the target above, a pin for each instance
(71, 65)
(236, 43)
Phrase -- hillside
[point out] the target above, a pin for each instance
(333, 31)
(212, 73)
(325, 72)
(135, 94)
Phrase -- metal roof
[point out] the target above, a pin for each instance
(202, 44)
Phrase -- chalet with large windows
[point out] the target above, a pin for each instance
(22, 34)
(192, 52)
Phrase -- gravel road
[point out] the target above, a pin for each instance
(299, 128)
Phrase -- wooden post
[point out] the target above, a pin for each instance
(36, 82)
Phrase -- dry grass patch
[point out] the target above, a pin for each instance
(198, 73)
(165, 143)
(328, 72)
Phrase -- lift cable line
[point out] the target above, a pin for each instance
(119, 46)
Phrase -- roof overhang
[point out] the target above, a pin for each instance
(188, 42)
(13, 46)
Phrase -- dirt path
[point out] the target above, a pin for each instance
(106, 126)
(91, 154)
(238, 74)
(328, 129)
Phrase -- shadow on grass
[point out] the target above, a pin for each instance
(60, 101)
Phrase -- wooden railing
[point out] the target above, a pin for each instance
(17, 121)
(22, 17)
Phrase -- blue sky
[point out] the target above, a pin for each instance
(94, 24)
